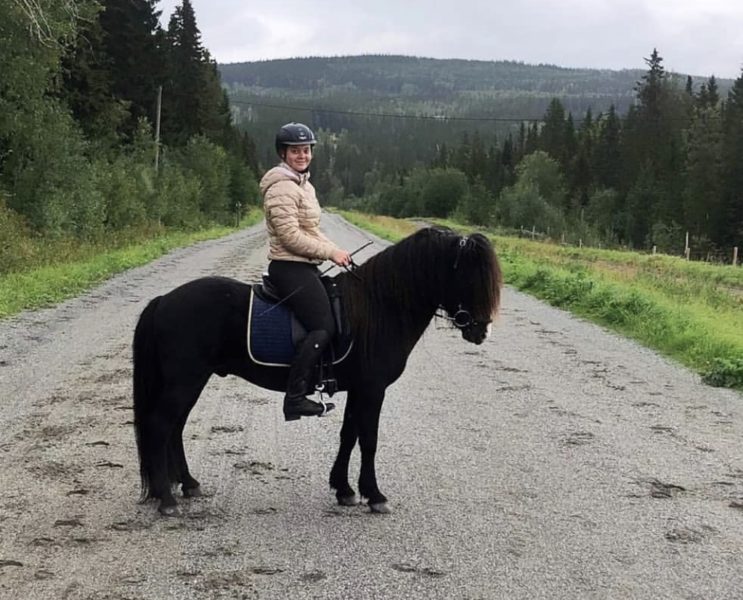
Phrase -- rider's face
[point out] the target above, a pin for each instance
(298, 157)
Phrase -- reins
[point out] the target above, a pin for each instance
(351, 268)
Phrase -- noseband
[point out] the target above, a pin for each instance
(461, 319)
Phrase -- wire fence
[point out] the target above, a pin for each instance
(721, 256)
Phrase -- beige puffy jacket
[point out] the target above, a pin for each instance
(293, 217)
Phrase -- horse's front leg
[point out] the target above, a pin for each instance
(369, 408)
(339, 473)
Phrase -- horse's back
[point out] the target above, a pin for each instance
(203, 316)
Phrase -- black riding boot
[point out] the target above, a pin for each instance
(296, 403)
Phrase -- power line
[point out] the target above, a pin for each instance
(438, 118)
(356, 113)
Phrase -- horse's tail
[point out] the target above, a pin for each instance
(147, 387)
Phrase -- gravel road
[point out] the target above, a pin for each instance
(554, 461)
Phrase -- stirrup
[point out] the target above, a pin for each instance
(326, 408)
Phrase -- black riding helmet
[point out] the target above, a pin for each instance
(294, 134)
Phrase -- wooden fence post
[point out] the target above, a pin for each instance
(686, 247)
(735, 256)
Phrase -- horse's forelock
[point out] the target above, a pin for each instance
(486, 269)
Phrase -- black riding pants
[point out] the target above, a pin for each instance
(299, 283)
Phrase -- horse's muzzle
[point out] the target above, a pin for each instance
(476, 333)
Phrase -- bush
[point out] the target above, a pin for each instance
(523, 206)
(243, 186)
(477, 207)
(725, 372)
(127, 188)
(53, 183)
(178, 196)
(209, 163)
(16, 246)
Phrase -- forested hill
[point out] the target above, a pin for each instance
(430, 77)
(461, 84)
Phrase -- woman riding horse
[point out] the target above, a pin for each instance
(296, 247)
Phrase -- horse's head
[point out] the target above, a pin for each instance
(472, 292)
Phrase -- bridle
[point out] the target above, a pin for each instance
(462, 318)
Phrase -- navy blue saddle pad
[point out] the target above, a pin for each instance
(274, 332)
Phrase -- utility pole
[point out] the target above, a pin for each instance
(157, 127)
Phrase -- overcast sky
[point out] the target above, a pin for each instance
(698, 37)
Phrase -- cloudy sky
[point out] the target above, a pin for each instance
(698, 37)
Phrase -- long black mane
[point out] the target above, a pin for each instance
(402, 286)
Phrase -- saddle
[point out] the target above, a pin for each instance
(274, 332)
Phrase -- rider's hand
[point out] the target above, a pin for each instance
(341, 257)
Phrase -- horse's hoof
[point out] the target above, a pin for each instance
(194, 492)
(169, 511)
(380, 508)
(349, 500)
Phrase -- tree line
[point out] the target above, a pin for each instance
(670, 163)
(78, 108)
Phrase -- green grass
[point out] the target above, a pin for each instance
(84, 267)
(692, 312)
(387, 228)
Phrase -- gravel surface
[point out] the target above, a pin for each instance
(554, 461)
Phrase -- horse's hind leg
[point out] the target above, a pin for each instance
(163, 428)
(177, 464)
(339, 473)
(156, 428)
(187, 395)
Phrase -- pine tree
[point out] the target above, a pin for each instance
(702, 197)
(552, 137)
(478, 161)
(532, 140)
(462, 154)
(702, 98)
(650, 89)
(570, 143)
(183, 94)
(494, 176)
(732, 174)
(507, 160)
(580, 173)
(713, 91)
(653, 148)
(133, 43)
(522, 139)
(86, 83)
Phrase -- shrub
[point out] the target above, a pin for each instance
(16, 246)
(725, 372)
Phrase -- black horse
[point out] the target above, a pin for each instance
(198, 329)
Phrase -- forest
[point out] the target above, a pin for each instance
(611, 158)
(114, 128)
(81, 157)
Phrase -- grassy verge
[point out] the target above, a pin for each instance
(387, 228)
(691, 312)
(82, 268)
